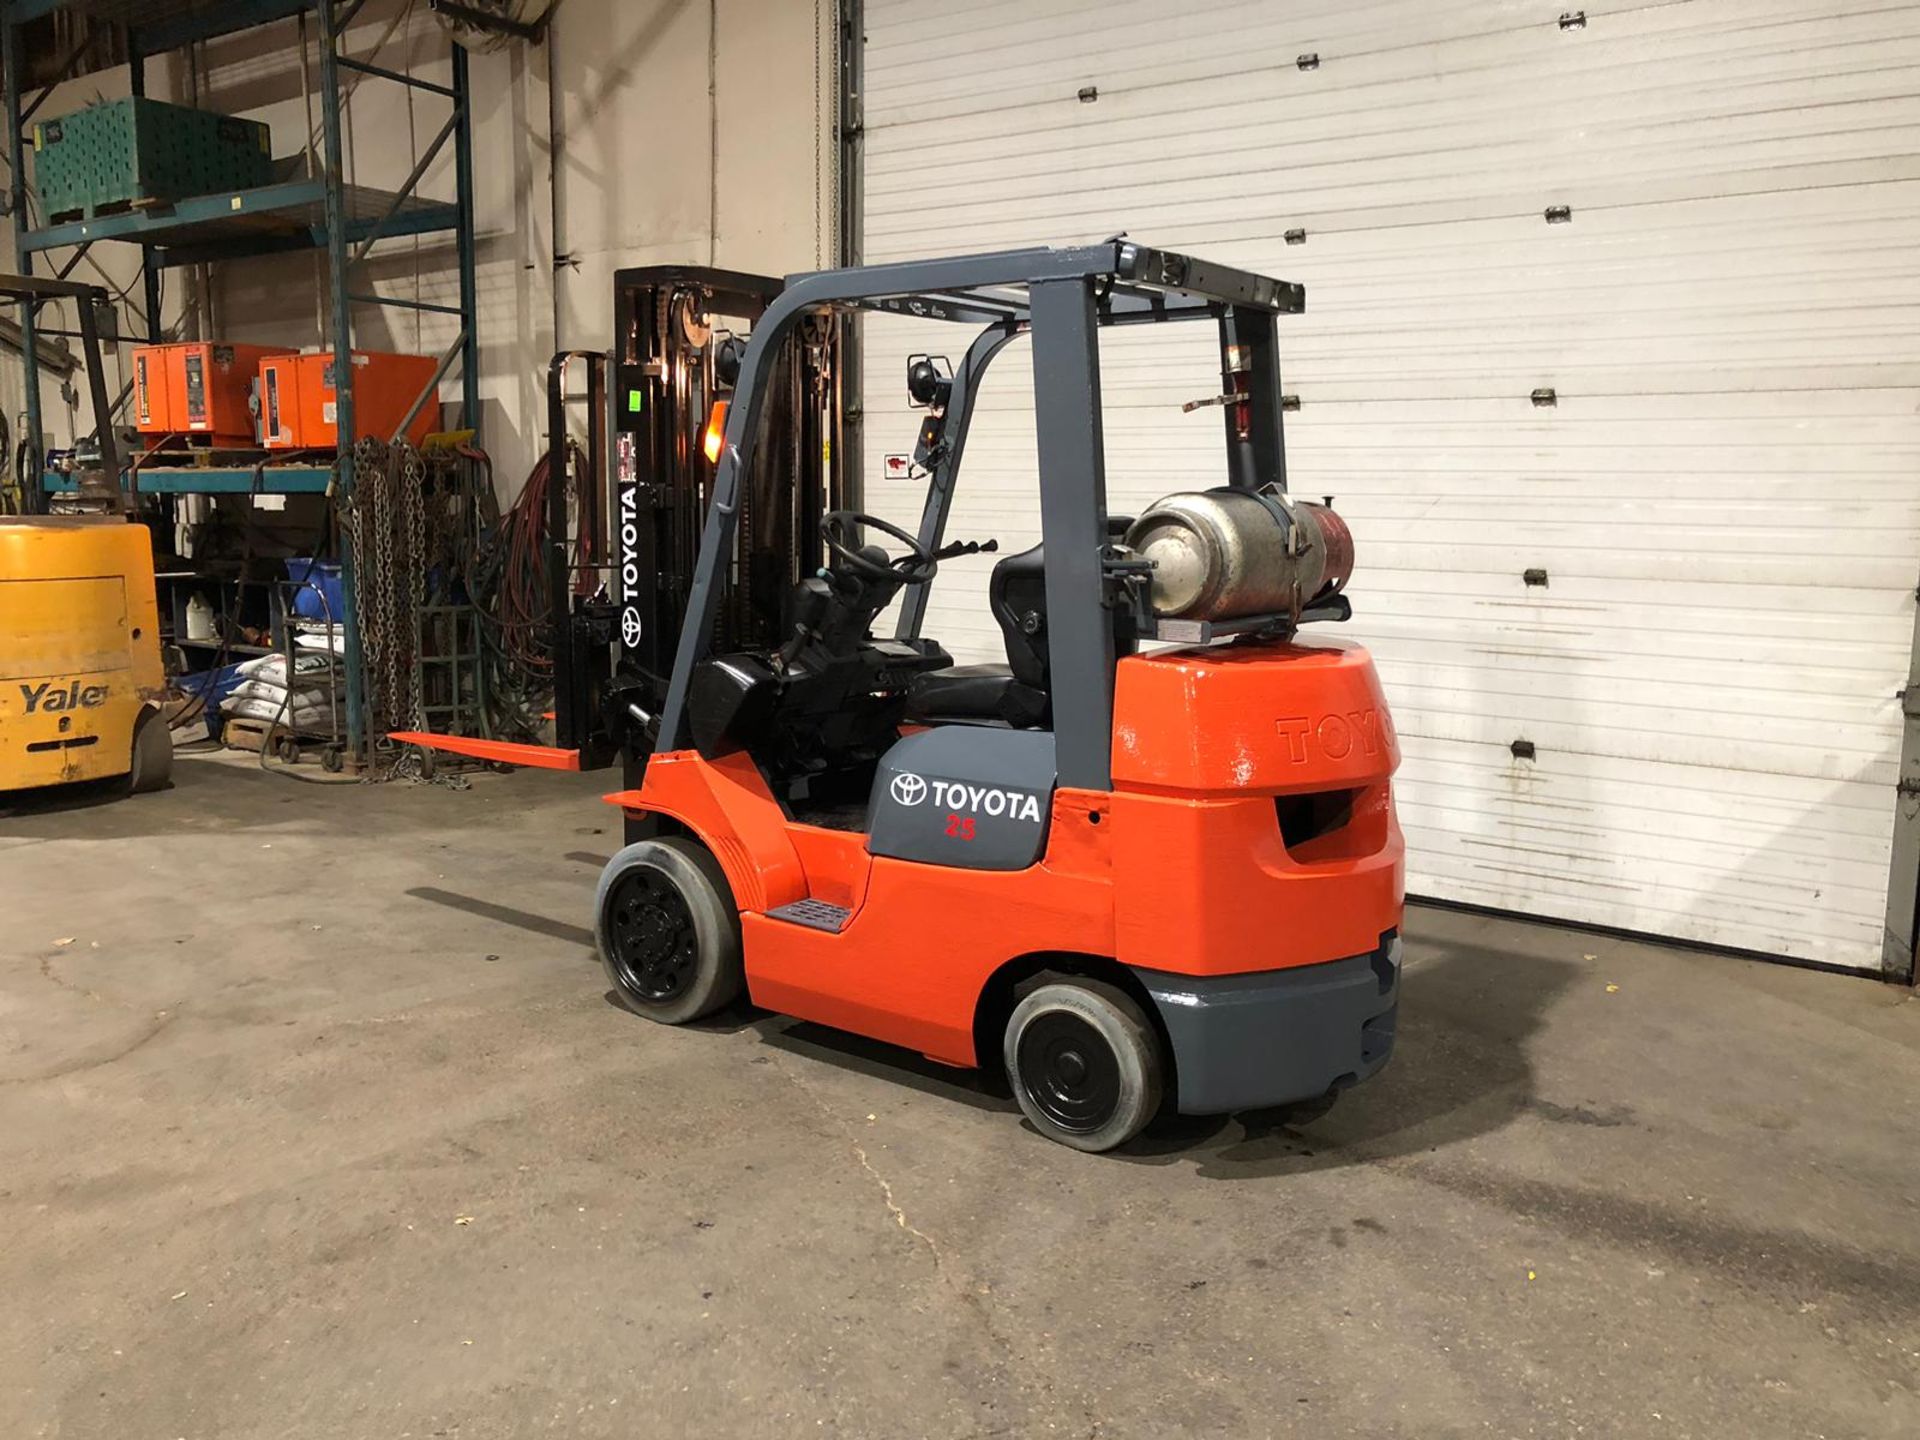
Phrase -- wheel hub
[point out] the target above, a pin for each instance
(1069, 1072)
(650, 935)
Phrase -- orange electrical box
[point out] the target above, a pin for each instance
(198, 388)
(298, 405)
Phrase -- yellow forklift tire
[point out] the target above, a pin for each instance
(152, 755)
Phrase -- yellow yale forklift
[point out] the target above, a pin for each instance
(80, 671)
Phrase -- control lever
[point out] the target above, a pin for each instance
(966, 547)
(811, 601)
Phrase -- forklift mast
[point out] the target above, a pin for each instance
(656, 409)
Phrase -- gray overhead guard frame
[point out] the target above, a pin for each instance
(1062, 297)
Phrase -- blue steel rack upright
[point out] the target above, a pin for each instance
(324, 212)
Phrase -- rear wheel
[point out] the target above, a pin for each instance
(152, 767)
(1084, 1064)
(668, 931)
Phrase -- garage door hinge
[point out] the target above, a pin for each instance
(1909, 699)
(1089, 94)
(1908, 789)
(1559, 214)
(1308, 61)
(1573, 20)
(1289, 402)
(1296, 237)
(1545, 397)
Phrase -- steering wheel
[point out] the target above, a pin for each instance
(916, 567)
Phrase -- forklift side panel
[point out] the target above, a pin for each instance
(911, 964)
(970, 796)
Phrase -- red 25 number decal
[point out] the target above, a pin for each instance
(960, 827)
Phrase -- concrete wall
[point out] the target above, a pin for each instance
(689, 130)
(684, 130)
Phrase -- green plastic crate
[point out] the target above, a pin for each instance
(124, 153)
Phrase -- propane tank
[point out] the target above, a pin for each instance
(1222, 554)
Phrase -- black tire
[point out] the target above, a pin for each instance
(287, 749)
(668, 931)
(152, 767)
(332, 761)
(1084, 1064)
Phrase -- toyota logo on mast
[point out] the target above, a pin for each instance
(908, 789)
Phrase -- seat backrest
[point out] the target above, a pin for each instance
(1017, 595)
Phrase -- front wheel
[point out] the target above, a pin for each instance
(668, 931)
(1084, 1063)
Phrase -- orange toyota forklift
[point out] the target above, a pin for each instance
(1135, 876)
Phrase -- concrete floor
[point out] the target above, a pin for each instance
(315, 1121)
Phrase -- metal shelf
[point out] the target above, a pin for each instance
(224, 480)
(229, 647)
(301, 212)
(162, 25)
(273, 218)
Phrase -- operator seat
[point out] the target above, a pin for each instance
(1016, 693)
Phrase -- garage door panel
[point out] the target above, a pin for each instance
(1848, 627)
(1603, 796)
(1072, 218)
(1450, 170)
(1771, 800)
(1349, 112)
(1033, 56)
(1345, 149)
(1468, 717)
(1640, 845)
(1752, 870)
(1573, 669)
(1764, 919)
(1173, 134)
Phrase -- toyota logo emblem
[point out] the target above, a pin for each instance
(908, 789)
(630, 627)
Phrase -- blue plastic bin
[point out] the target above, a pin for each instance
(214, 686)
(321, 595)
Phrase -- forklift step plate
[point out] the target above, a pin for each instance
(814, 914)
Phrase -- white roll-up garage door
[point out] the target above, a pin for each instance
(1634, 487)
